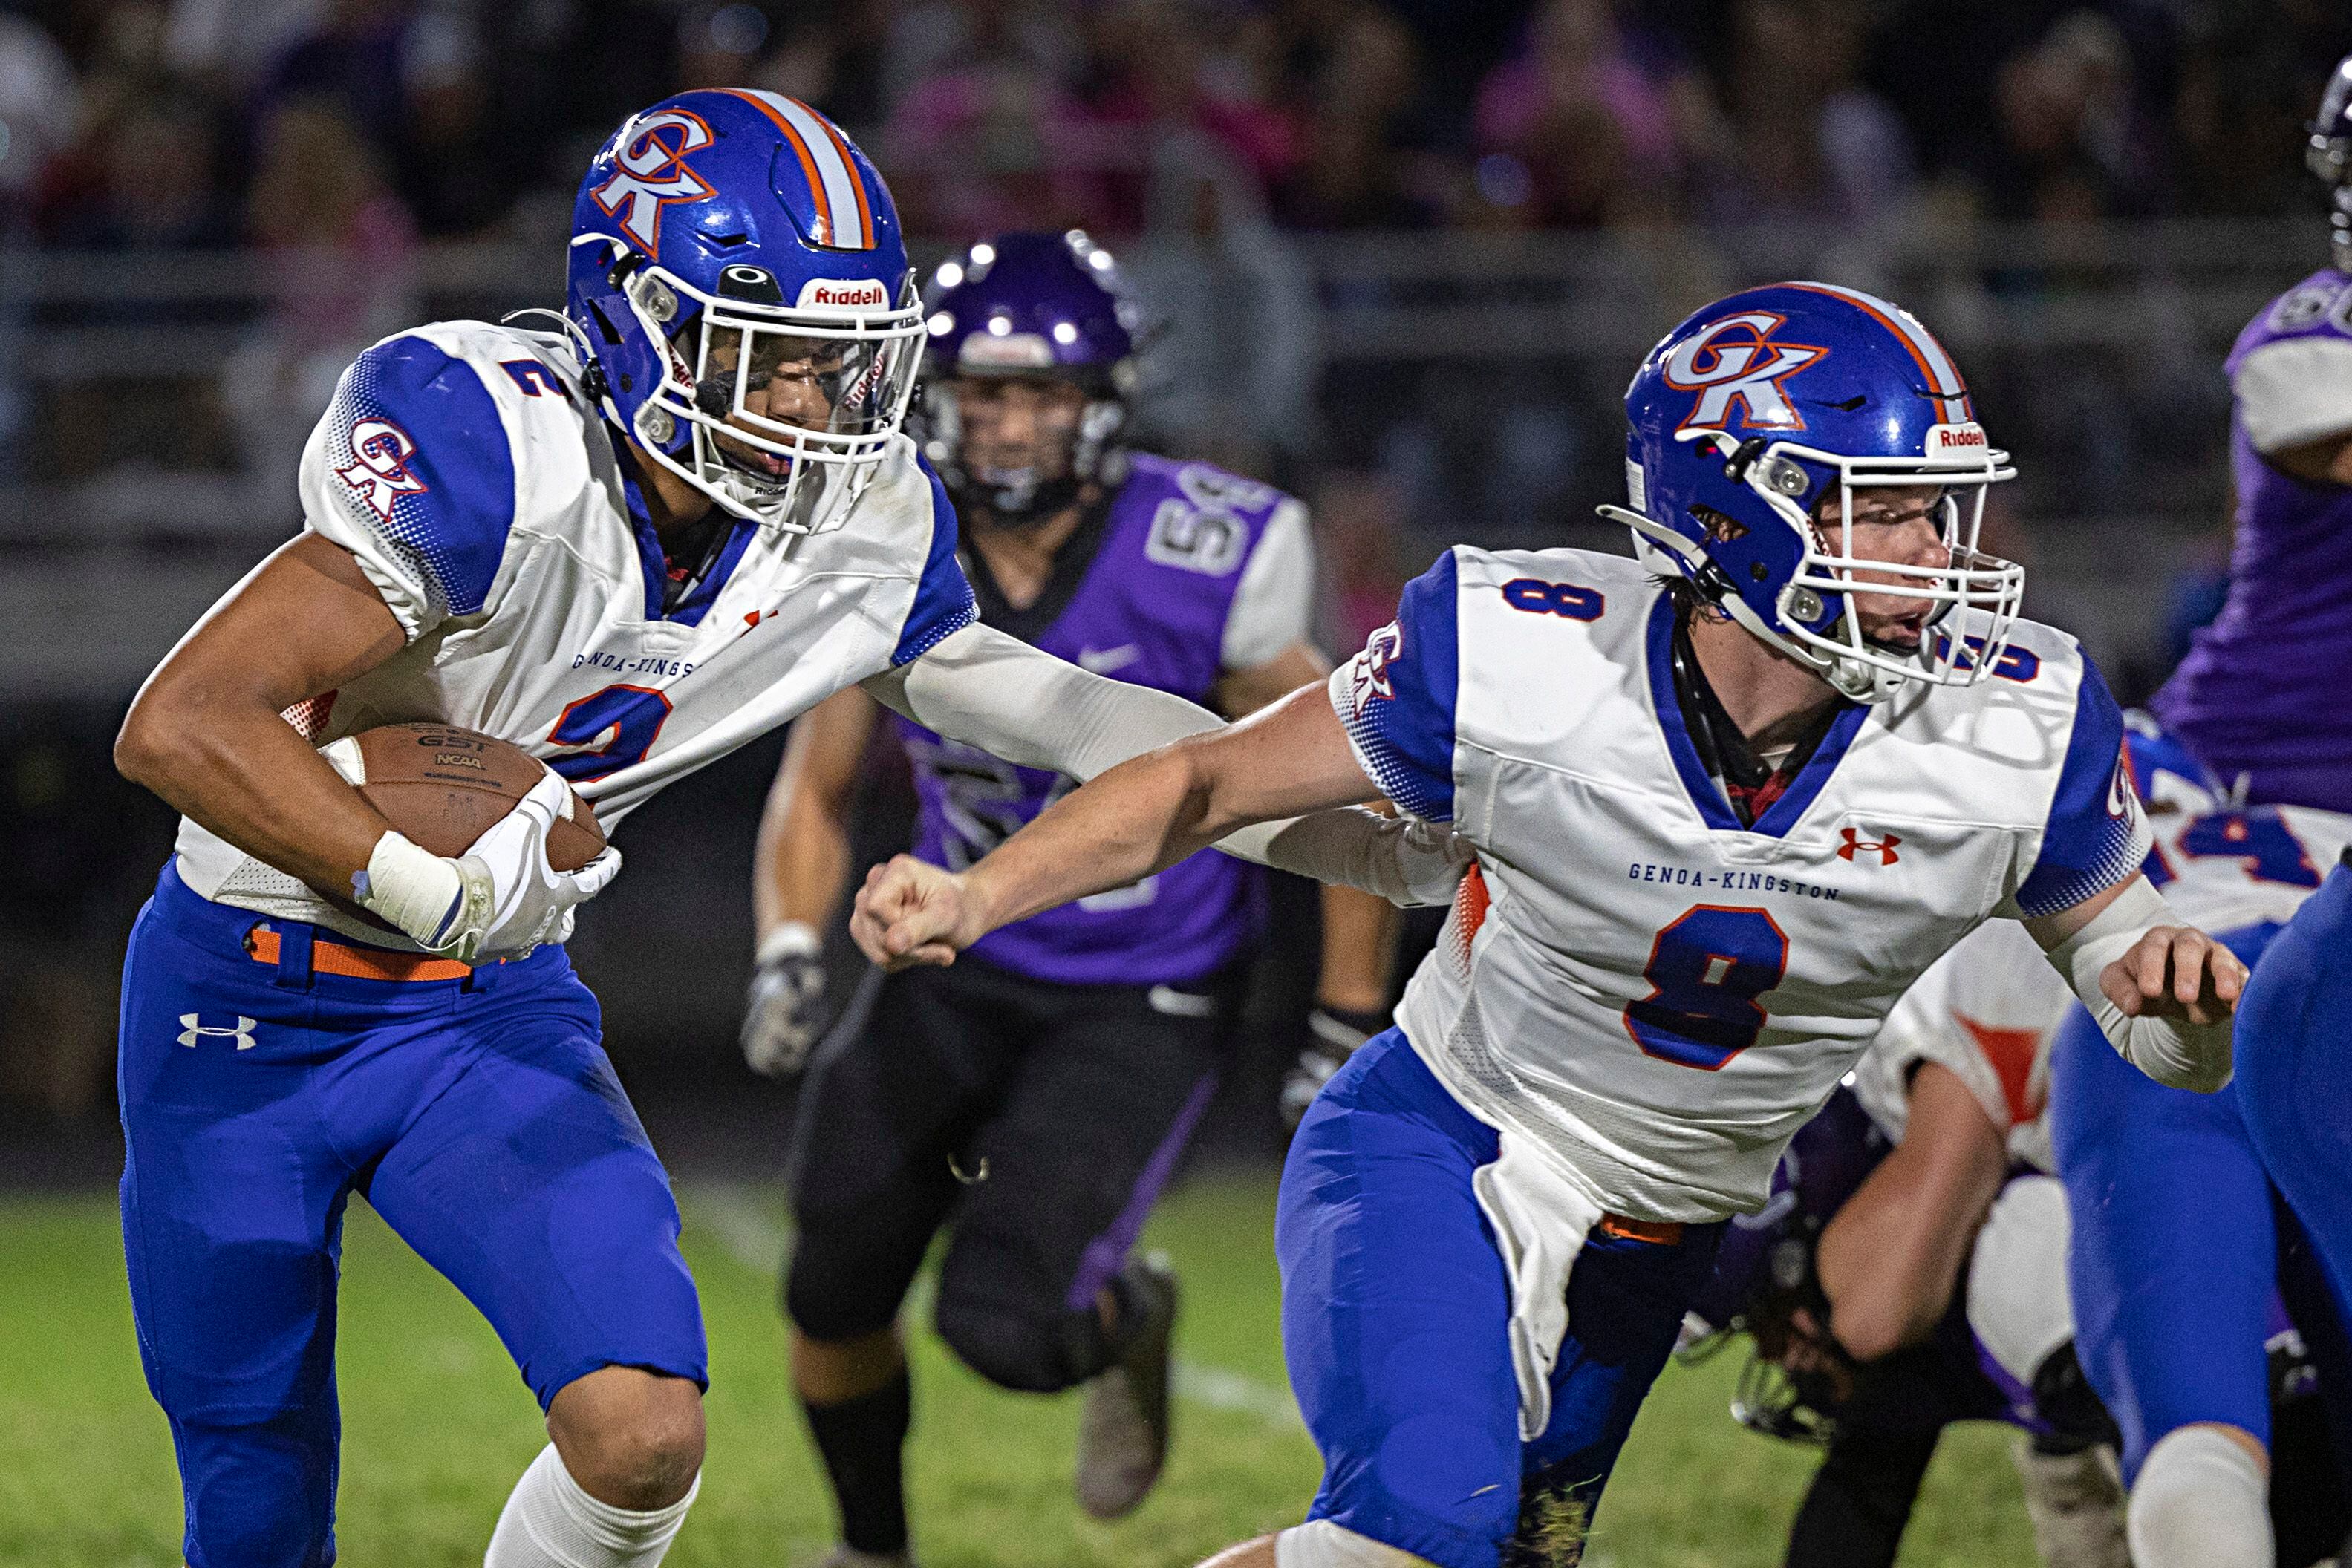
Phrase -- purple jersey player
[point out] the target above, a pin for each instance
(2255, 694)
(1070, 1058)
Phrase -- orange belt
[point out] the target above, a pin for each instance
(1665, 1233)
(358, 962)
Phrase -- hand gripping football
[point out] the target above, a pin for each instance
(443, 787)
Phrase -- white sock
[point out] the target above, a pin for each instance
(2202, 1500)
(549, 1522)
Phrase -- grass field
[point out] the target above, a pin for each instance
(437, 1425)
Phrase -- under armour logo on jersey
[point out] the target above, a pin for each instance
(652, 172)
(191, 1031)
(1856, 845)
(381, 451)
(1736, 360)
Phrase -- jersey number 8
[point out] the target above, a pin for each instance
(1706, 971)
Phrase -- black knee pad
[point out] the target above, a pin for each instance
(832, 1291)
(1028, 1349)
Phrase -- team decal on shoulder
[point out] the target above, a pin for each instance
(1567, 600)
(1208, 540)
(1745, 370)
(381, 452)
(1367, 672)
(654, 173)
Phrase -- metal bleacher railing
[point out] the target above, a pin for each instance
(156, 402)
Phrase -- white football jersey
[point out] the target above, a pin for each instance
(1653, 992)
(1987, 1010)
(465, 467)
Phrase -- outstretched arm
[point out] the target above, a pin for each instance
(994, 692)
(1139, 818)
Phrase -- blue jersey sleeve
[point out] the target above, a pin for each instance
(2097, 835)
(943, 598)
(1396, 697)
(411, 470)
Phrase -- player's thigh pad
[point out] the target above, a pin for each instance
(882, 1111)
(1395, 1322)
(530, 1183)
(231, 1189)
(1094, 1117)
(2173, 1260)
(2294, 1070)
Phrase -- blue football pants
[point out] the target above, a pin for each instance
(480, 1117)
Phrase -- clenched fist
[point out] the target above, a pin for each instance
(911, 911)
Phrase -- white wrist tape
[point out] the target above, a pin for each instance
(792, 939)
(2173, 1051)
(1402, 859)
(414, 889)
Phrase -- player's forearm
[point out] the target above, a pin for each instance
(803, 865)
(1359, 934)
(1139, 818)
(236, 766)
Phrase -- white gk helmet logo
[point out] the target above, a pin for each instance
(379, 472)
(654, 173)
(192, 1030)
(1736, 360)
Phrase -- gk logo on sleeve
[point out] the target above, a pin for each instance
(1748, 369)
(382, 451)
(192, 1030)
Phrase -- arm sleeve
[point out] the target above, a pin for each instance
(1271, 604)
(2294, 390)
(943, 604)
(412, 470)
(2096, 835)
(979, 686)
(1396, 698)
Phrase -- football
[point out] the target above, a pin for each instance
(443, 787)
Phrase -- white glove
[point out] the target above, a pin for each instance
(779, 1014)
(500, 898)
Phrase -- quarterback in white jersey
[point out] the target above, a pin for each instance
(626, 546)
(1721, 822)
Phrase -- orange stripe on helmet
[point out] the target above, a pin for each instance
(824, 218)
(1869, 307)
(841, 144)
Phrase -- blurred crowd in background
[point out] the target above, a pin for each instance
(1407, 252)
(369, 126)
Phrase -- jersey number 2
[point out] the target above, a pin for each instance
(1706, 971)
(631, 715)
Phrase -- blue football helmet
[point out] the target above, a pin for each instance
(2329, 154)
(724, 238)
(1749, 420)
(1038, 306)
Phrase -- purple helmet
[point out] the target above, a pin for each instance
(718, 236)
(2330, 154)
(1037, 306)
